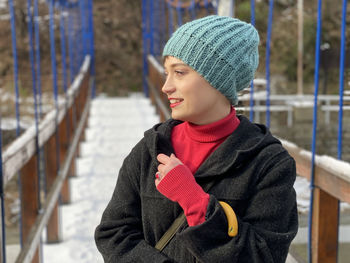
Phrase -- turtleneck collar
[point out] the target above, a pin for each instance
(215, 131)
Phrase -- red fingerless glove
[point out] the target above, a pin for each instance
(180, 186)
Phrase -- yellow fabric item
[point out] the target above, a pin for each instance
(231, 219)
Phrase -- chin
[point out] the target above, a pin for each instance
(177, 116)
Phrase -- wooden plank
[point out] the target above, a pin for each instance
(71, 124)
(1, 233)
(329, 181)
(27, 253)
(64, 142)
(23, 148)
(324, 227)
(30, 201)
(53, 226)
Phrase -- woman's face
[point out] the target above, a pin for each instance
(191, 97)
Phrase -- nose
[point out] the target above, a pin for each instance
(168, 86)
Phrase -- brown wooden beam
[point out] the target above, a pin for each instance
(30, 201)
(326, 180)
(53, 227)
(324, 227)
(64, 144)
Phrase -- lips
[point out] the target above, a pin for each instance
(175, 102)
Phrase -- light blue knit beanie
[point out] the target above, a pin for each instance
(223, 50)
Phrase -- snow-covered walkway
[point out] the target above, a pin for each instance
(115, 126)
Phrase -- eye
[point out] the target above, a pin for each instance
(179, 72)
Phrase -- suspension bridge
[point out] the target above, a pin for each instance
(59, 172)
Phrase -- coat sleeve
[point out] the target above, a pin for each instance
(119, 237)
(265, 230)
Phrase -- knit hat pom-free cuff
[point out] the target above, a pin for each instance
(223, 50)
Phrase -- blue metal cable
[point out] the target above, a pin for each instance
(206, 6)
(163, 23)
(63, 49)
(341, 79)
(251, 100)
(268, 49)
(79, 40)
(170, 14)
(54, 74)
(156, 23)
(232, 7)
(192, 9)
(216, 6)
(314, 125)
(64, 63)
(15, 65)
(341, 89)
(3, 228)
(92, 48)
(179, 13)
(38, 82)
(145, 46)
(83, 25)
(70, 46)
(37, 54)
(34, 88)
(151, 28)
(75, 37)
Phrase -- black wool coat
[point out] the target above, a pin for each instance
(254, 174)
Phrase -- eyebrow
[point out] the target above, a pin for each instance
(177, 64)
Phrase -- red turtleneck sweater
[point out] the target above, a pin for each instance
(193, 144)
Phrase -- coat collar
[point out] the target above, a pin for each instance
(245, 142)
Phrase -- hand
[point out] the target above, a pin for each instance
(176, 182)
(167, 163)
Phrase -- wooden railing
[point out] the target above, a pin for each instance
(58, 138)
(331, 178)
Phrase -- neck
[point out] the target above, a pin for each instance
(219, 115)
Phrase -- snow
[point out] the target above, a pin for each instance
(338, 167)
(115, 126)
(3, 4)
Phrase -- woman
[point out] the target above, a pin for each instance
(249, 213)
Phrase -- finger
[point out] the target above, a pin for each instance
(157, 175)
(162, 158)
(161, 168)
(156, 182)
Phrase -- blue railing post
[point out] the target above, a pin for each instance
(179, 13)
(170, 20)
(63, 49)
(37, 54)
(145, 43)
(268, 50)
(92, 47)
(341, 79)
(15, 70)
(232, 8)
(314, 125)
(3, 228)
(70, 45)
(251, 100)
(54, 72)
(83, 25)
